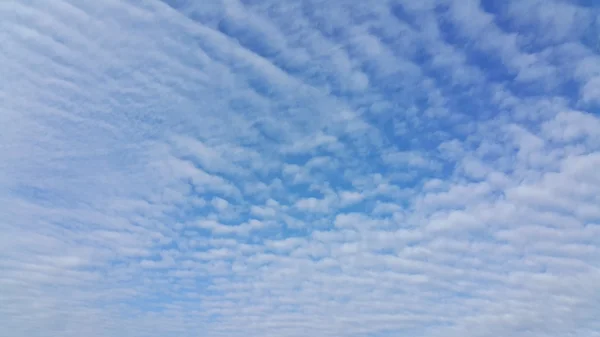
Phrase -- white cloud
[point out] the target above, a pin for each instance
(273, 168)
(263, 212)
(220, 204)
(350, 197)
(313, 204)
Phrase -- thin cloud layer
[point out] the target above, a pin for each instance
(280, 168)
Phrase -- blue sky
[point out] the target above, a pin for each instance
(292, 168)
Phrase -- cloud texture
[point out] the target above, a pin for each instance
(292, 168)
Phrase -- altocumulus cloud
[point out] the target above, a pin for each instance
(293, 168)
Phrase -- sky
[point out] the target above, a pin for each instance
(283, 168)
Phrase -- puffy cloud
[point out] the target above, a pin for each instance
(277, 168)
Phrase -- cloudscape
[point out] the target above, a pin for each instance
(282, 168)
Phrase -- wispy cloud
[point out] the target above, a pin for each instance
(281, 168)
